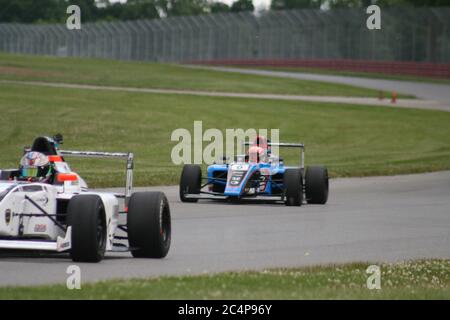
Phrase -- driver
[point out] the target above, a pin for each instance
(256, 154)
(259, 150)
(36, 167)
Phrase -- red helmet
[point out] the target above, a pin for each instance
(256, 154)
(261, 141)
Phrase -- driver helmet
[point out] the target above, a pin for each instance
(35, 166)
(260, 141)
(256, 154)
(263, 142)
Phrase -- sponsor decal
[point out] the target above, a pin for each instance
(243, 167)
(64, 245)
(43, 200)
(161, 210)
(40, 228)
(237, 177)
(263, 183)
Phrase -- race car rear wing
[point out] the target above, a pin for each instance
(287, 145)
(118, 155)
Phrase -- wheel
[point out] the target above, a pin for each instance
(316, 184)
(190, 182)
(149, 225)
(86, 216)
(293, 190)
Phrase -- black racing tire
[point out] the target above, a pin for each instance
(317, 185)
(293, 190)
(149, 225)
(190, 182)
(86, 216)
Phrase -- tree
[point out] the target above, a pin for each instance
(295, 4)
(29, 11)
(131, 10)
(217, 7)
(385, 3)
(349, 3)
(242, 5)
(414, 3)
(183, 7)
(89, 10)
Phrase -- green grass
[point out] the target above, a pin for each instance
(372, 75)
(163, 76)
(350, 140)
(425, 279)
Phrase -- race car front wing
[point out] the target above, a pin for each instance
(60, 245)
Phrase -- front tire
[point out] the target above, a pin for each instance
(317, 185)
(190, 182)
(293, 190)
(86, 216)
(149, 225)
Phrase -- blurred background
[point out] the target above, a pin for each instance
(326, 34)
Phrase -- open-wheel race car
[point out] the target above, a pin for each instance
(44, 206)
(258, 175)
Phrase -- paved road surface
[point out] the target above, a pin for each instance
(428, 91)
(366, 219)
(403, 103)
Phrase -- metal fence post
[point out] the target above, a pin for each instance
(407, 34)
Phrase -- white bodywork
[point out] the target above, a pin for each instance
(28, 210)
(24, 226)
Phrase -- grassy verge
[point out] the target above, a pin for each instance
(350, 140)
(372, 75)
(154, 75)
(425, 279)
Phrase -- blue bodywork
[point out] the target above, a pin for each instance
(246, 179)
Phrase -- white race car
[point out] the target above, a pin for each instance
(44, 206)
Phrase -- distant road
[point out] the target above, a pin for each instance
(378, 219)
(428, 91)
(402, 103)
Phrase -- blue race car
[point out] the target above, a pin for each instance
(257, 175)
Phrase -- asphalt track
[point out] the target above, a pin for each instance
(402, 103)
(437, 94)
(377, 219)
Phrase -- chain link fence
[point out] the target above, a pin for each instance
(407, 34)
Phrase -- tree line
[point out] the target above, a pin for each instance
(54, 11)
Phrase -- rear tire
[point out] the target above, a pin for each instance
(149, 225)
(317, 185)
(86, 216)
(293, 190)
(190, 182)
